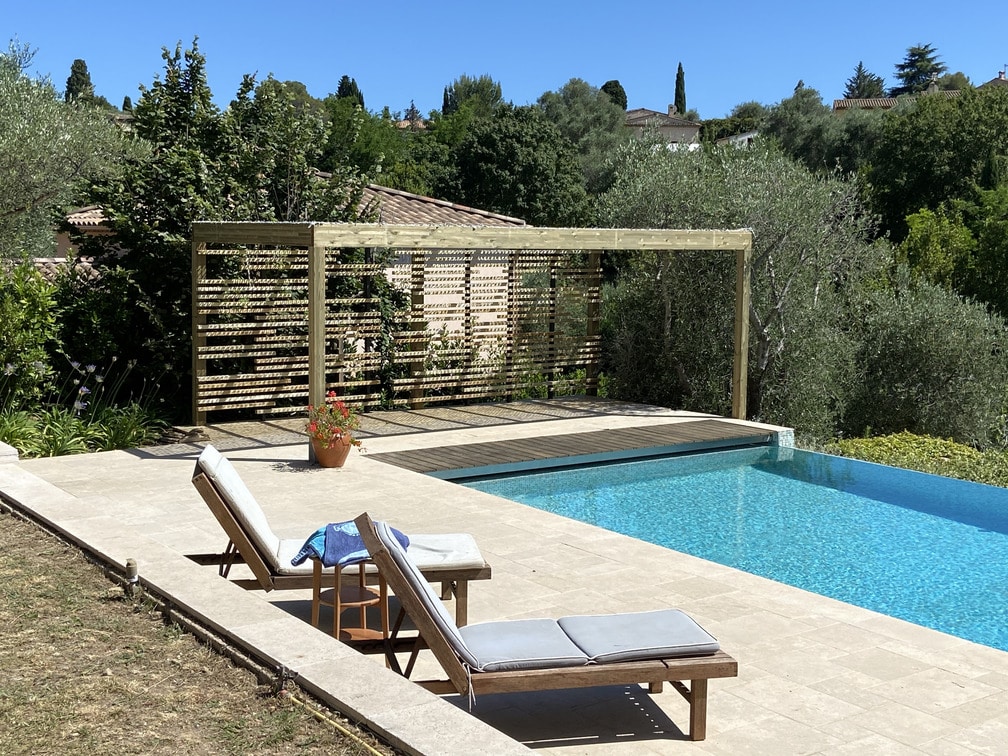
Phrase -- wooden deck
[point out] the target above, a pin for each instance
(467, 460)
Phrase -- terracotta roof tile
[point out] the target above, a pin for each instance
(51, 267)
(399, 207)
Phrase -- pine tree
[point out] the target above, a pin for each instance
(864, 85)
(78, 86)
(680, 91)
(919, 68)
(413, 115)
(127, 106)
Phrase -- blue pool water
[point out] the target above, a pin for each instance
(927, 549)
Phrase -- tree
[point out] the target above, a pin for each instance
(917, 70)
(680, 91)
(253, 162)
(864, 85)
(127, 106)
(930, 363)
(671, 344)
(50, 151)
(482, 93)
(616, 92)
(746, 116)
(78, 85)
(953, 81)
(592, 122)
(348, 89)
(805, 127)
(517, 163)
(936, 149)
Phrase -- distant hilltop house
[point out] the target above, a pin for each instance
(745, 139)
(393, 206)
(885, 103)
(671, 127)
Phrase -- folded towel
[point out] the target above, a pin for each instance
(338, 543)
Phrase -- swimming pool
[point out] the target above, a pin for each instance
(923, 548)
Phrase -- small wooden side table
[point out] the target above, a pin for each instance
(357, 595)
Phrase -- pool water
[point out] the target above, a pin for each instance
(923, 548)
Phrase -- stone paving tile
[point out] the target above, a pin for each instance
(815, 675)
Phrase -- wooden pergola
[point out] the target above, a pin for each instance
(316, 242)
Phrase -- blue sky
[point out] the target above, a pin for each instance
(731, 52)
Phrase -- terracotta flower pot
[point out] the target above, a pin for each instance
(334, 455)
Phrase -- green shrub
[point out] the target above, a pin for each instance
(29, 323)
(57, 431)
(930, 363)
(931, 455)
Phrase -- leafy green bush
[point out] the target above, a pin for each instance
(932, 364)
(56, 431)
(26, 312)
(84, 414)
(927, 454)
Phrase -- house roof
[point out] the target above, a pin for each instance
(997, 81)
(640, 117)
(91, 217)
(884, 103)
(398, 207)
(393, 205)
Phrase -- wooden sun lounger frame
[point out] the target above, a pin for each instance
(655, 672)
(454, 582)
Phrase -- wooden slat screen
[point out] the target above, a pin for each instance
(467, 325)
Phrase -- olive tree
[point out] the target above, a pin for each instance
(929, 362)
(49, 151)
(811, 249)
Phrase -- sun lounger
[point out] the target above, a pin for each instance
(544, 654)
(451, 559)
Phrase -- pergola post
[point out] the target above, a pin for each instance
(316, 326)
(199, 321)
(740, 363)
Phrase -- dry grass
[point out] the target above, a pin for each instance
(84, 669)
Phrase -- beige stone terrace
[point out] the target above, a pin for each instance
(815, 675)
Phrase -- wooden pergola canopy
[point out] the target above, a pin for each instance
(316, 238)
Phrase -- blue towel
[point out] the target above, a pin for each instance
(338, 543)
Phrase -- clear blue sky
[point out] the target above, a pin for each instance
(732, 52)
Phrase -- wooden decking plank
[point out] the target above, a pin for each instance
(559, 447)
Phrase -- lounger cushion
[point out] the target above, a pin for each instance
(521, 644)
(432, 603)
(456, 551)
(240, 500)
(661, 634)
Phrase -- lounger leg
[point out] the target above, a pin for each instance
(698, 710)
(461, 602)
(316, 590)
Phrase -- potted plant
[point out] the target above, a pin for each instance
(330, 428)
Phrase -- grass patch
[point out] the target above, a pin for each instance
(86, 669)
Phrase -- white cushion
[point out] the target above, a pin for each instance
(240, 501)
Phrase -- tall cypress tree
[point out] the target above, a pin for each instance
(78, 85)
(680, 91)
(348, 88)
